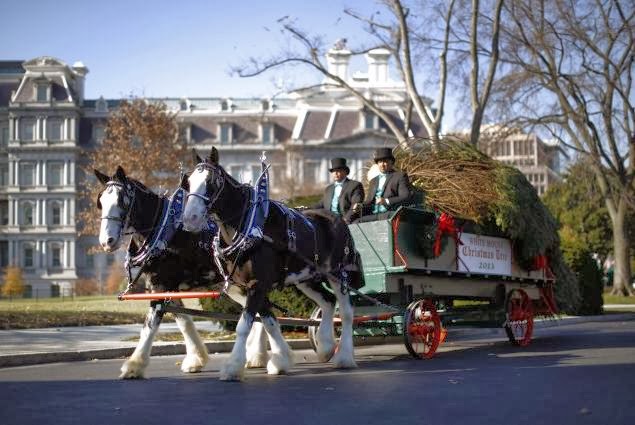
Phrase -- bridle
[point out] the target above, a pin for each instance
(220, 183)
(126, 204)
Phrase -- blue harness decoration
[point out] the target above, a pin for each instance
(171, 222)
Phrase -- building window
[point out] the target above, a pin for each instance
(56, 214)
(4, 137)
(54, 130)
(256, 170)
(265, 105)
(4, 175)
(110, 259)
(27, 130)
(236, 172)
(28, 214)
(276, 175)
(224, 105)
(311, 172)
(90, 260)
(99, 133)
(28, 252)
(101, 105)
(42, 91)
(56, 174)
(4, 254)
(4, 213)
(267, 133)
(369, 120)
(27, 174)
(56, 255)
(183, 105)
(225, 133)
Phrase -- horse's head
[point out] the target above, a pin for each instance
(204, 184)
(115, 203)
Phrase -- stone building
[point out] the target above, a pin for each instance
(45, 123)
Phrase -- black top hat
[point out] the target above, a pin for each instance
(383, 153)
(339, 164)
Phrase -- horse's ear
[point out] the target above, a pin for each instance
(101, 176)
(185, 183)
(120, 174)
(213, 156)
(197, 159)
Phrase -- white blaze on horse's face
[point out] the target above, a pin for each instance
(111, 216)
(195, 212)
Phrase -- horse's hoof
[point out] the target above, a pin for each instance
(193, 364)
(257, 361)
(278, 365)
(132, 370)
(344, 362)
(232, 374)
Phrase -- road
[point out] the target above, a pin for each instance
(576, 374)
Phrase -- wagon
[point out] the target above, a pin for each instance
(424, 273)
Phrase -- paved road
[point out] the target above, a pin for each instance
(575, 374)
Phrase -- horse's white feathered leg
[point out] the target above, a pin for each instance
(234, 367)
(135, 366)
(257, 347)
(257, 340)
(345, 356)
(325, 338)
(196, 356)
(281, 356)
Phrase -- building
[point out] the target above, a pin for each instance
(537, 159)
(45, 123)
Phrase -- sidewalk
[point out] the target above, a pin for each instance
(35, 346)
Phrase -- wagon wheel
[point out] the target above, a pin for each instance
(316, 314)
(422, 329)
(520, 317)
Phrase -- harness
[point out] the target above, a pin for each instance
(171, 219)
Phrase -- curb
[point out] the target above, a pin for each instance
(454, 333)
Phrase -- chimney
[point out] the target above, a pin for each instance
(337, 58)
(378, 66)
(80, 79)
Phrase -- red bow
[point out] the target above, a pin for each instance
(541, 262)
(445, 225)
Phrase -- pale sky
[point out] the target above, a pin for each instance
(168, 48)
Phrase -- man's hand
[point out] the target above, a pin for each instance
(380, 201)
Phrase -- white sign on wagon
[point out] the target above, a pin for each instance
(485, 254)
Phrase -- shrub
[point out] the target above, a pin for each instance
(86, 287)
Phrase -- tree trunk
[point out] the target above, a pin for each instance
(621, 252)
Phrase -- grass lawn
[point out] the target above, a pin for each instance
(618, 299)
(76, 311)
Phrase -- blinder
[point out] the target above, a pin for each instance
(213, 183)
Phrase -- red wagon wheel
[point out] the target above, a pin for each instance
(520, 317)
(422, 329)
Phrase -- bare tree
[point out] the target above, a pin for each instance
(572, 73)
(407, 33)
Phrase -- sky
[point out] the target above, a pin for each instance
(160, 48)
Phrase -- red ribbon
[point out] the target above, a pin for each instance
(541, 262)
(445, 225)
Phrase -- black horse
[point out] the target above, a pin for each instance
(290, 248)
(170, 260)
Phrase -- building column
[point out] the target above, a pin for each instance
(44, 132)
(72, 122)
(10, 208)
(72, 173)
(44, 167)
(71, 212)
(17, 128)
(66, 254)
(16, 213)
(16, 169)
(37, 173)
(12, 259)
(71, 263)
(11, 165)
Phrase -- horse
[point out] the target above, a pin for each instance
(290, 248)
(170, 259)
